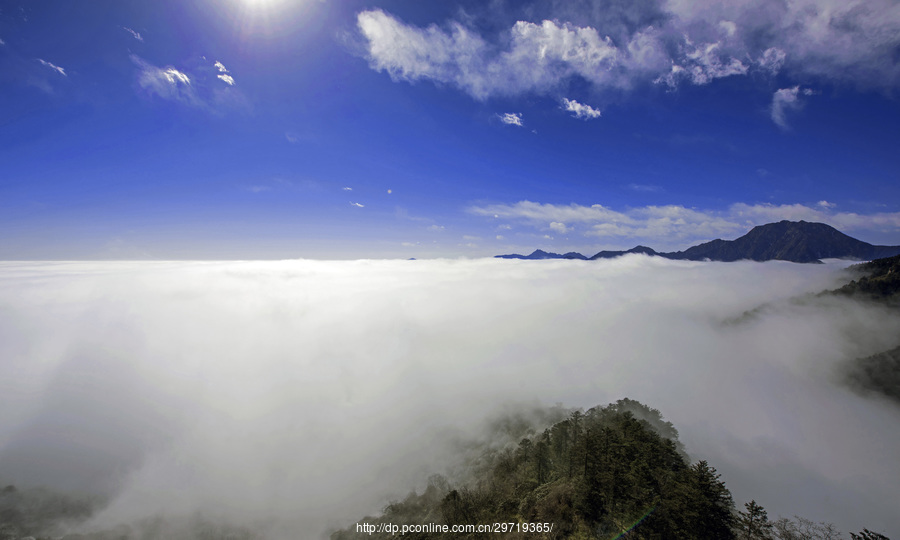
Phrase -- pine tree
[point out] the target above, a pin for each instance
(713, 503)
(754, 524)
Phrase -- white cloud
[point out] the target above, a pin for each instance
(559, 228)
(580, 110)
(193, 88)
(824, 213)
(175, 77)
(2, 42)
(772, 60)
(512, 119)
(52, 66)
(681, 42)
(676, 227)
(167, 82)
(221, 67)
(849, 40)
(783, 100)
(537, 57)
(702, 64)
(729, 28)
(645, 188)
(358, 205)
(134, 34)
(347, 188)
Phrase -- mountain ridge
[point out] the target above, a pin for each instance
(793, 241)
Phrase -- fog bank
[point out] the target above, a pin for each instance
(301, 395)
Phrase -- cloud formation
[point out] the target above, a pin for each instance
(559, 228)
(675, 226)
(191, 86)
(678, 42)
(224, 73)
(512, 119)
(785, 99)
(301, 395)
(134, 34)
(52, 66)
(580, 110)
(167, 82)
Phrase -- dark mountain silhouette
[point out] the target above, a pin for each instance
(795, 241)
(611, 254)
(540, 254)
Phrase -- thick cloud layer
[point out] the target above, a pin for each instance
(300, 395)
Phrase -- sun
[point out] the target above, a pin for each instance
(263, 4)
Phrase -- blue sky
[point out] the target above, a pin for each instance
(322, 129)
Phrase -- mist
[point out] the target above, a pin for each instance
(298, 396)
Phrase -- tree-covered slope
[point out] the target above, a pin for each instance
(880, 280)
(596, 474)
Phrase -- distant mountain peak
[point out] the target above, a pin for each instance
(795, 241)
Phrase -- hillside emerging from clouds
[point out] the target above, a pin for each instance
(800, 242)
(878, 374)
(614, 471)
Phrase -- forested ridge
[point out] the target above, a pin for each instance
(610, 472)
(876, 281)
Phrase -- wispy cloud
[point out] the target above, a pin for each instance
(134, 34)
(52, 66)
(512, 119)
(358, 205)
(277, 184)
(674, 223)
(645, 188)
(166, 82)
(580, 110)
(224, 74)
(701, 64)
(786, 99)
(192, 87)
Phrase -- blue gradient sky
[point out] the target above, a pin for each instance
(286, 129)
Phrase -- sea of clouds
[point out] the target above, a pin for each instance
(299, 396)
